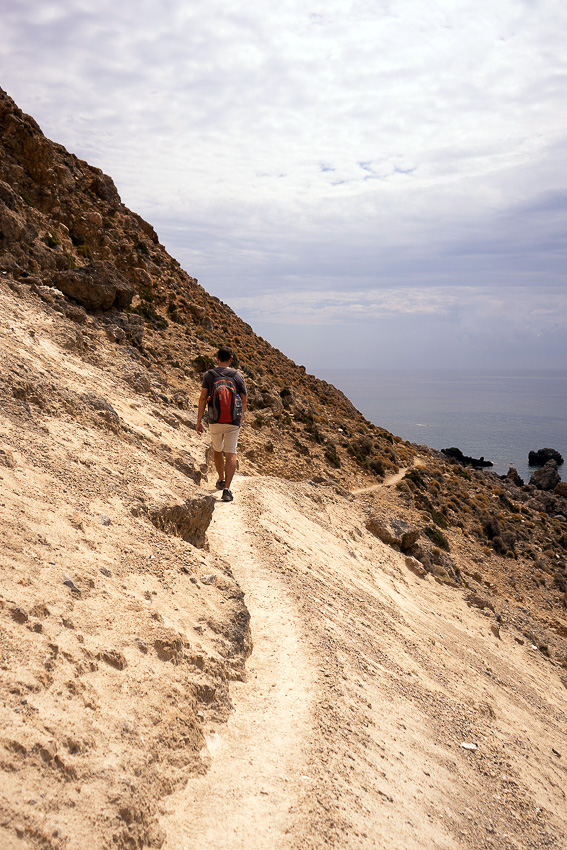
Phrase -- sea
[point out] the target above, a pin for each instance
(498, 415)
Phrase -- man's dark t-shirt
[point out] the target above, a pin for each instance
(210, 377)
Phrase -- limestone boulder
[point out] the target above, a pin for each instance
(95, 287)
(393, 531)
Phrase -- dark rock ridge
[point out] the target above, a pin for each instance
(465, 460)
(546, 478)
(514, 477)
(541, 457)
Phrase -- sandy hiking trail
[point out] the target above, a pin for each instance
(389, 481)
(380, 711)
(247, 797)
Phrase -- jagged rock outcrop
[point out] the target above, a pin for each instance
(189, 520)
(541, 456)
(96, 287)
(547, 478)
(514, 477)
(457, 455)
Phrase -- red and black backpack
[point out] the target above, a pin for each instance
(223, 397)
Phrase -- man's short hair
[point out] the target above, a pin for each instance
(224, 354)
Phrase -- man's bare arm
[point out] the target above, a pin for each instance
(201, 409)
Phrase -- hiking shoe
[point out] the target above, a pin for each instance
(219, 485)
(227, 496)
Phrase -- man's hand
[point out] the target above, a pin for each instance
(201, 409)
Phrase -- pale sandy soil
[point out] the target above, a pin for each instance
(364, 683)
(124, 701)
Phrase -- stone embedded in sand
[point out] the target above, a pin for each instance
(393, 531)
(68, 582)
(76, 313)
(415, 566)
(19, 615)
(113, 657)
(189, 520)
(170, 648)
(188, 469)
(7, 458)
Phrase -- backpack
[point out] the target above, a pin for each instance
(223, 406)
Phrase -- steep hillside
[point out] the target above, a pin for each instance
(401, 604)
(63, 225)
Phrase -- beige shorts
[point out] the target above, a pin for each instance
(224, 437)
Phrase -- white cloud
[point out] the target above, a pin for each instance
(517, 307)
(378, 149)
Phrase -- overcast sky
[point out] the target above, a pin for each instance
(367, 182)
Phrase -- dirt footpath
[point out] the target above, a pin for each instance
(258, 760)
(380, 709)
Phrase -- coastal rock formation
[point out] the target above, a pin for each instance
(541, 456)
(514, 477)
(466, 460)
(546, 478)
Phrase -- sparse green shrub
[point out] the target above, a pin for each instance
(85, 252)
(424, 504)
(416, 478)
(301, 449)
(203, 362)
(360, 449)
(377, 466)
(142, 248)
(437, 537)
(332, 456)
(149, 314)
(510, 505)
(51, 240)
(314, 434)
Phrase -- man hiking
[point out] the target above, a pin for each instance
(225, 391)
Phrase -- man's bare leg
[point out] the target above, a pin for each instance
(229, 469)
(219, 464)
